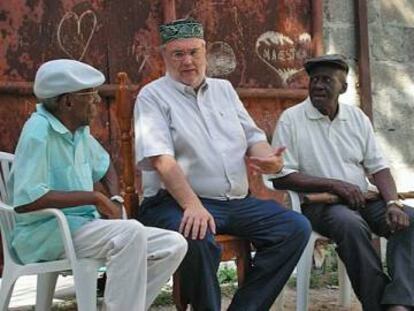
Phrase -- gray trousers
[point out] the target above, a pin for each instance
(351, 231)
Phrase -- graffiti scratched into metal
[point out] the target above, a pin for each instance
(282, 54)
(142, 56)
(144, 61)
(72, 16)
(221, 59)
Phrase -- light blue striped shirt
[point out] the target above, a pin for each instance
(49, 157)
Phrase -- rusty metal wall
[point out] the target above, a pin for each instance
(255, 43)
(259, 45)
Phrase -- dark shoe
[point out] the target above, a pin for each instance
(101, 286)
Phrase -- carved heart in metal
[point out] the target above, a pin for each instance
(282, 54)
(75, 38)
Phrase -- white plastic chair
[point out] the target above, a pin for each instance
(304, 265)
(84, 271)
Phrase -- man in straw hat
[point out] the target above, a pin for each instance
(57, 163)
(192, 137)
(330, 147)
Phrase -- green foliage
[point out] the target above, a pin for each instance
(227, 275)
(164, 298)
(327, 276)
(228, 289)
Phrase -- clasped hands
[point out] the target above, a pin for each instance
(395, 217)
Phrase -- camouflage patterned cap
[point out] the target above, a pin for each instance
(181, 29)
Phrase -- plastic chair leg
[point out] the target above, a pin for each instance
(345, 288)
(85, 276)
(46, 283)
(7, 285)
(303, 275)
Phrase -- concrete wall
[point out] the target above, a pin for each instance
(391, 36)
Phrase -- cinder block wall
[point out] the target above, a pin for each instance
(391, 37)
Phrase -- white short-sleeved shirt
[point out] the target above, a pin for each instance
(207, 132)
(344, 148)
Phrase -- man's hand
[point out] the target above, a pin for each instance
(270, 164)
(396, 218)
(350, 193)
(196, 220)
(107, 208)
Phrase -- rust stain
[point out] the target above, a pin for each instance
(253, 43)
(256, 44)
(269, 38)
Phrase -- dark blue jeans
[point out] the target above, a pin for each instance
(278, 234)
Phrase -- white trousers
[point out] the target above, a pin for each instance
(139, 259)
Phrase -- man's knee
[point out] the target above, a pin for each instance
(203, 249)
(134, 230)
(300, 226)
(347, 223)
(177, 244)
(128, 234)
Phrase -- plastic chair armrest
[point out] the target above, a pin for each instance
(64, 230)
(294, 201)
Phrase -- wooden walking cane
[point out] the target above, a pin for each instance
(331, 198)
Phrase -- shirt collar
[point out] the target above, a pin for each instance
(183, 88)
(314, 114)
(55, 123)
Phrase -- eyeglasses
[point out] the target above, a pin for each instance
(92, 94)
(179, 55)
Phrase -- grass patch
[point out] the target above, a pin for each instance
(227, 277)
(326, 276)
(164, 298)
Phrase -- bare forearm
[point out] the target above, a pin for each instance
(175, 181)
(303, 183)
(110, 181)
(385, 184)
(260, 149)
(196, 219)
(348, 192)
(60, 199)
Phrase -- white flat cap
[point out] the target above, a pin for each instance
(62, 76)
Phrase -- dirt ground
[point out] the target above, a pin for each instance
(322, 299)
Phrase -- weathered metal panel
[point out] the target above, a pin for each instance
(255, 43)
(259, 45)
(134, 40)
(35, 31)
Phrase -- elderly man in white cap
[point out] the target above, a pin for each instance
(57, 164)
